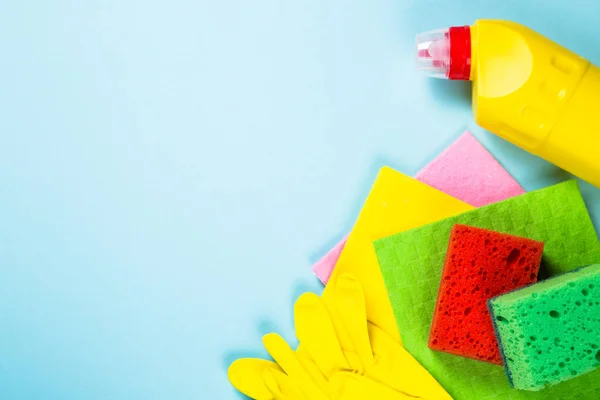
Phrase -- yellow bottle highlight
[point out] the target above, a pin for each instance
(538, 95)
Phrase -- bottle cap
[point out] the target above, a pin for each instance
(445, 53)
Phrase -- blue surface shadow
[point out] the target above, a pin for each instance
(451, 93)
(265, 326)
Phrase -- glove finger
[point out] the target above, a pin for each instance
(348, 386)
(394, 361)
(288, 361)
(342, 333)
(245, 374)
(312, 369)
(281, 386)
(349, 301)
(317, 335)
(272, 384)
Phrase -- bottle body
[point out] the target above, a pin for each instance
(538, 95)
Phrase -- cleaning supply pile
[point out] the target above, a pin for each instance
(457, 284)
(430, 297)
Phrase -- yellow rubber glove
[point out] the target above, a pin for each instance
(381, 358)
(349, 386)
(371, 362)
(247, 376)
(272, 384)
(269, 383)
(292, 376)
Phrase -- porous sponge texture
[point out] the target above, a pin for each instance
(550, 331)
(412, 261)
(480, 264)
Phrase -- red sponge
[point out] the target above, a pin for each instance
(480, 264)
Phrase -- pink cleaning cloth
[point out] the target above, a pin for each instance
(324, 267)
(465, 170)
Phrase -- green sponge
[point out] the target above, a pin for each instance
(549, 332)
(412, 262)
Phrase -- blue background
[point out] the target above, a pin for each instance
(169, 170)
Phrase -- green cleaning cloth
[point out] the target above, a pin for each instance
(411, 263)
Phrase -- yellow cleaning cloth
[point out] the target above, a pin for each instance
(395, 204)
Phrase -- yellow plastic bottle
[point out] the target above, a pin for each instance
(527, 89)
